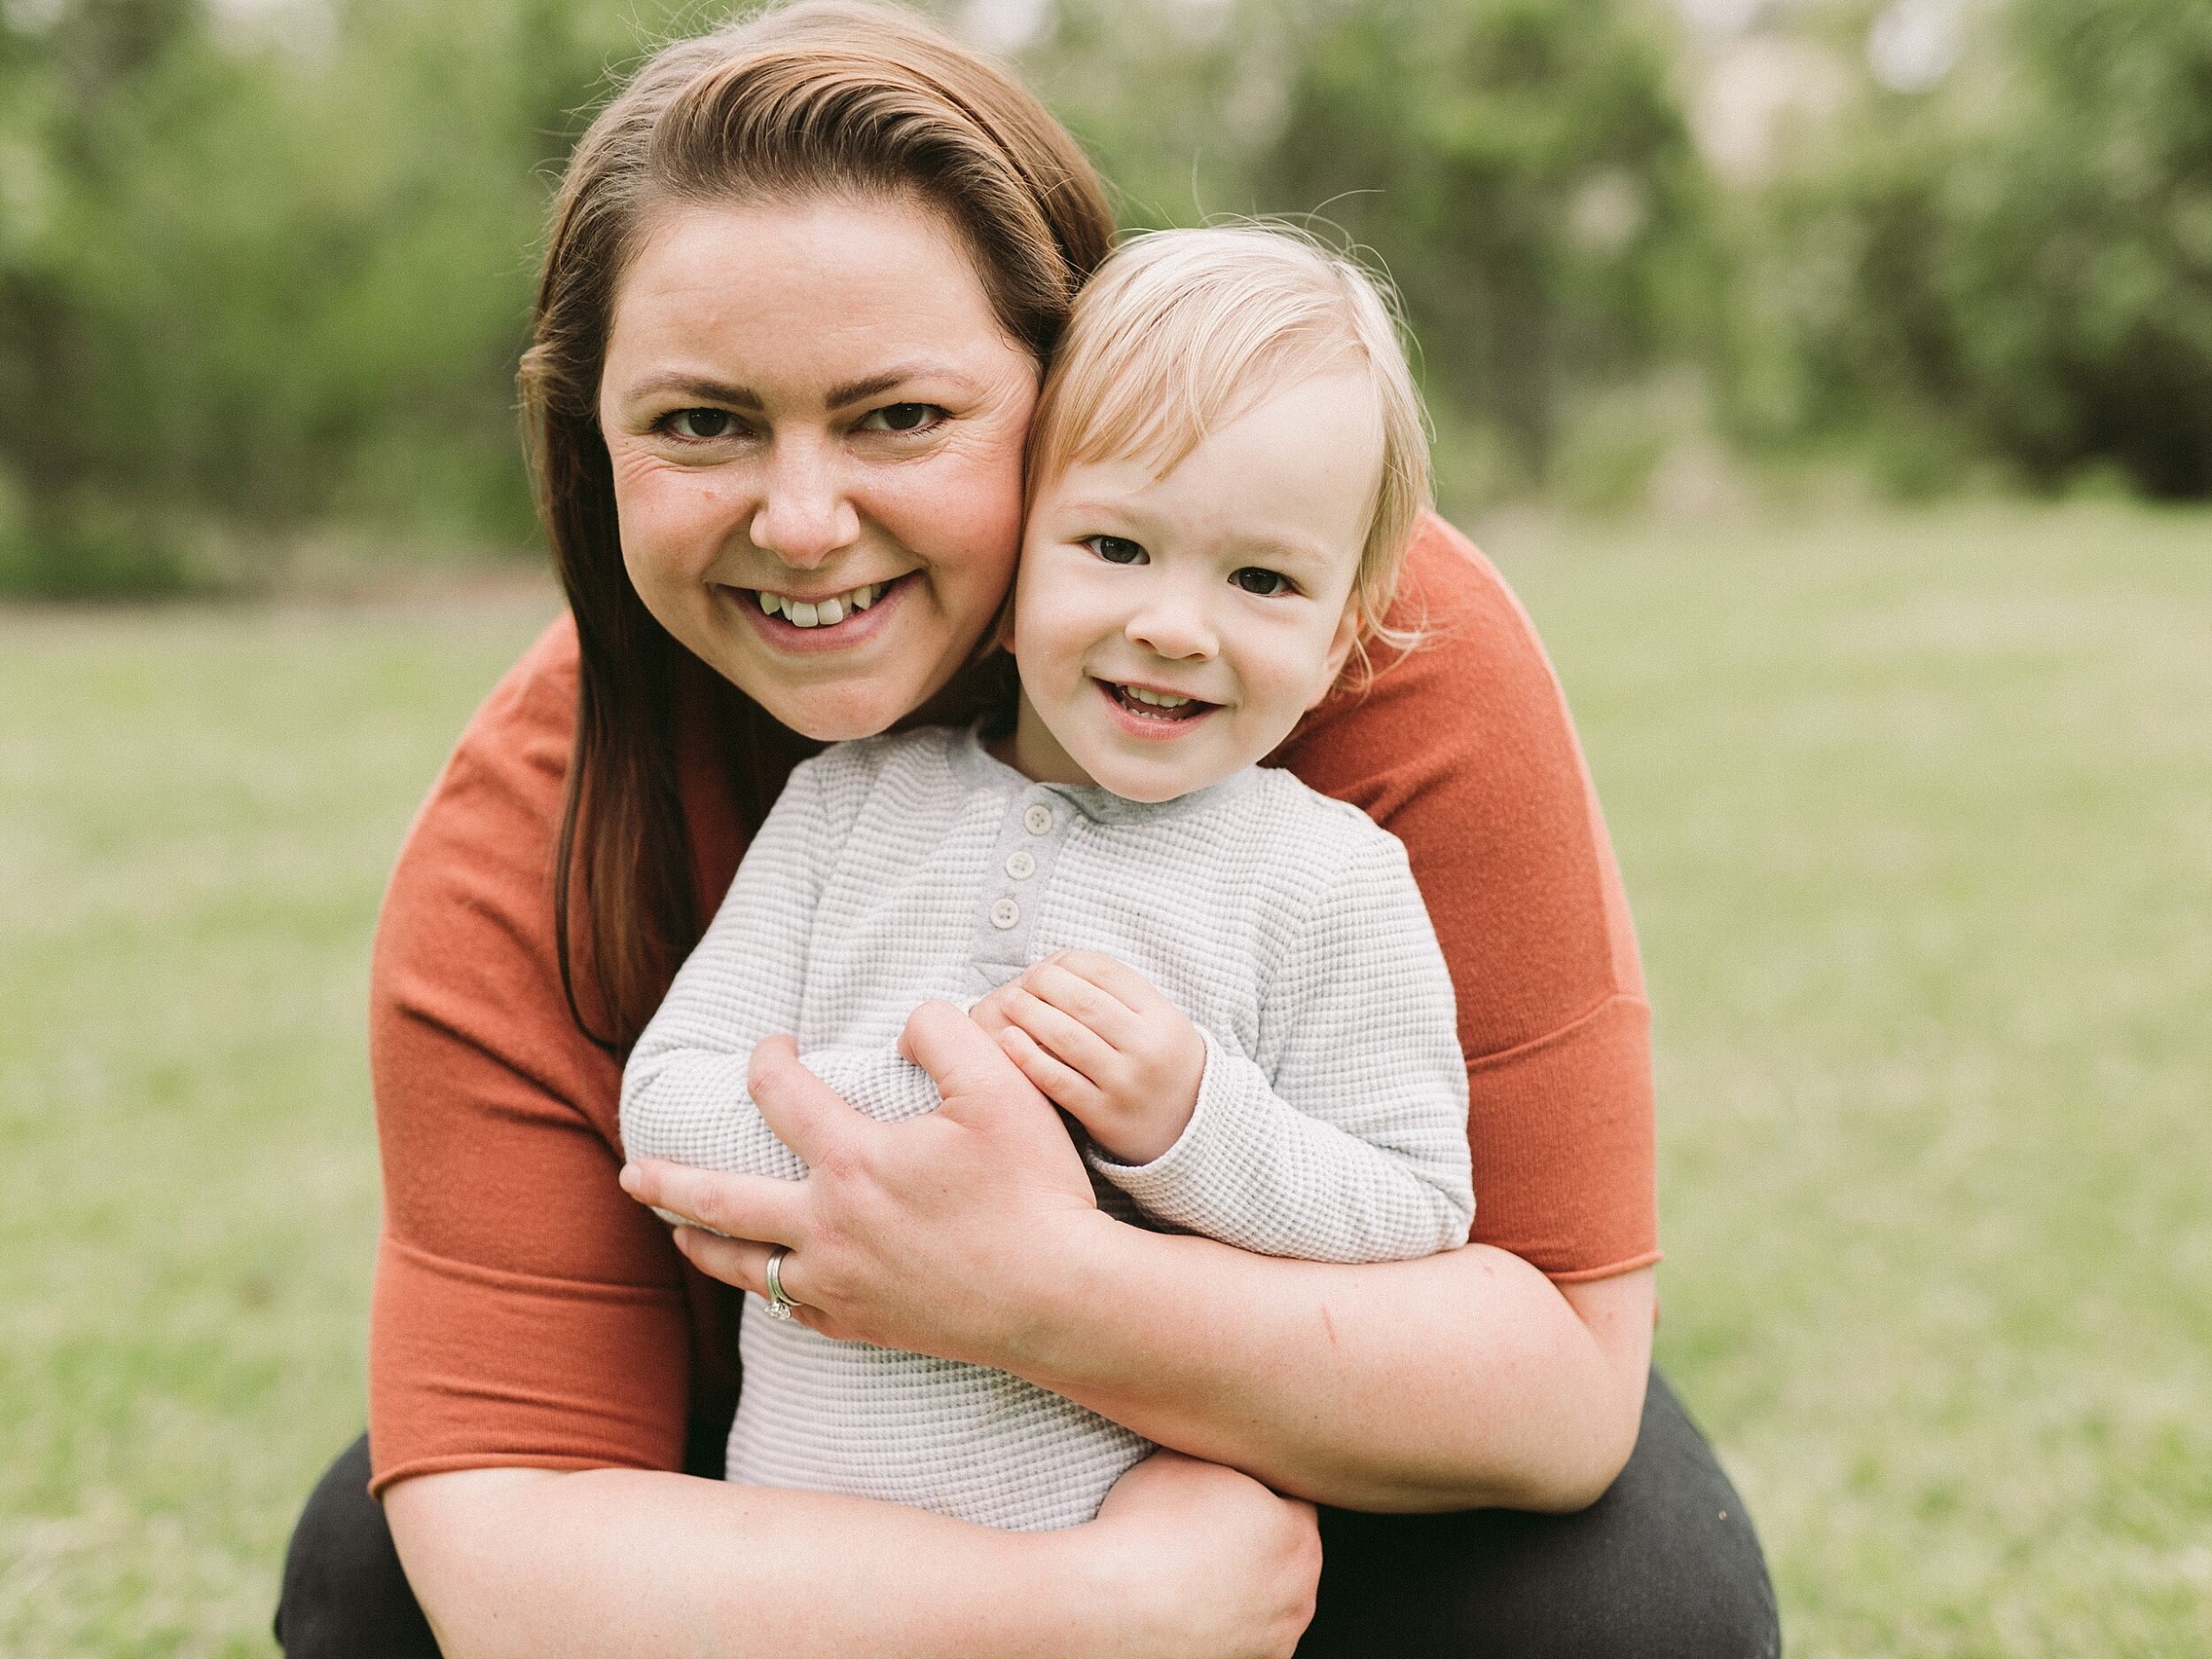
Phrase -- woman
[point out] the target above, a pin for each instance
(802, 276)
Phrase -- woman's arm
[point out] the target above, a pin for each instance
(1457, 1381)
(1186, 1561)
(1454, 1381)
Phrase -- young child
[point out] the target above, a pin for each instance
(1228, 981)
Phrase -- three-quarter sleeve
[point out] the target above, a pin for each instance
(525, 1312)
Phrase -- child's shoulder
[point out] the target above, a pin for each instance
(1325, 841)
(923, 756)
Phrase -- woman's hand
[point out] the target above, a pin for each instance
(1205, 1561)
(944, 1234)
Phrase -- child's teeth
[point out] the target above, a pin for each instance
(1157, 699)
(821, 613)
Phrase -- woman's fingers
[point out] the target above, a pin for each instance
(739, 1206)
(744, 1263)
(970, 1068)
(990, 1011)
(806, 1114)
(1213, 1559)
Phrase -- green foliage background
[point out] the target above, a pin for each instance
(265, 265)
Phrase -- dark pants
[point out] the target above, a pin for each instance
(1664, 1566)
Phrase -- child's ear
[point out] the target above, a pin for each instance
(1339, 648)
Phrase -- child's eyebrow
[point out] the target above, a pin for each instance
(1282, 551)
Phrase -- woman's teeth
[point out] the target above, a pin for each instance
(821, 613)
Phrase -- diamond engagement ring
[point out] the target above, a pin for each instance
(780, 1305)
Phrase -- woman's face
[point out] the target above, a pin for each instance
(815, 425)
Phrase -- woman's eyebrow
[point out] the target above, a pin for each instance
(744, 397)
(875, 384)
(706, 390)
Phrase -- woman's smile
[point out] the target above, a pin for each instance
(832, 622)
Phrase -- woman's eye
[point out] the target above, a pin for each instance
(900, 418)
(1114, 549)
(700, 425)
(1265, 583)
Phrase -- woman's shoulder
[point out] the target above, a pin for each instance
(510, 766)
(465, 943)
(1471, 705)
(1462, 747)
(1475, 676)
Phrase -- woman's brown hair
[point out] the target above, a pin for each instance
(840, 97)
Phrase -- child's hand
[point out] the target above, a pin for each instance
(1110, 1050)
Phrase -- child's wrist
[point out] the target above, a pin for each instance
(1141, 1136)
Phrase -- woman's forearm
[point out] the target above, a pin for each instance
(608, 1563)
(1455, 1381)
(1186, 1560)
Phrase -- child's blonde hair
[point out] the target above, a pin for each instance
(1182, 331)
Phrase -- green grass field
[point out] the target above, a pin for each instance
(1917, 815)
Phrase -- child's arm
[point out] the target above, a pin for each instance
(684, 1093)
(1357, 1152)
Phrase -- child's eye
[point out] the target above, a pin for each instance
(699, 425)
(902, 418)
(1116, 550)
(1266, 583)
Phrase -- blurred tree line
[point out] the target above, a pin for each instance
(265, 265)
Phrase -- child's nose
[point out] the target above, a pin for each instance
(1178, 631)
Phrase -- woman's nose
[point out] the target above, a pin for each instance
(804, 515)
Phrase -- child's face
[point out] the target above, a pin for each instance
(1227, 583)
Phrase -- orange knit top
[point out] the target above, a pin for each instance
(527, 1312)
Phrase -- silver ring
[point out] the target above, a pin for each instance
(780, 1305)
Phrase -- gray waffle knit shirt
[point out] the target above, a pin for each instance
(1331, 1117)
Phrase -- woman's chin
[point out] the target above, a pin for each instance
(837, 717)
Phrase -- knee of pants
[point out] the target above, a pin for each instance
(1668, 1563)
(345, 1595)
(1664, 1566)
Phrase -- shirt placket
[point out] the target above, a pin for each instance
(1034, 829)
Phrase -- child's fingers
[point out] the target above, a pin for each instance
(1105, 1014)
(1058, 1082)
(1064, 1037)
(1112, 976)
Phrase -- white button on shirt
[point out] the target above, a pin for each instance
(1004, 914)
(1037, 820)
(1020, 866)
